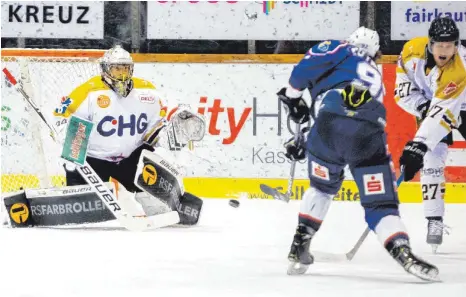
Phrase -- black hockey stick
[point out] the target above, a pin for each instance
(273, 191)
(323, 256)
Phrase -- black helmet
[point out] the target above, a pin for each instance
(444, 29)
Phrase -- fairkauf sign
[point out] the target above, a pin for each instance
(53, 19)
(411, 19)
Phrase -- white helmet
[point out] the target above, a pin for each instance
(365, 39)
(117, 70)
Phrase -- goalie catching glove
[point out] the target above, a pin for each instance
(184, 126)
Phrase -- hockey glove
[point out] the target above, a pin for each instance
(296, 149)
(354, 96)
(412, 158)
(296, 108)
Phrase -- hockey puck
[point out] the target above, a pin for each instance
(233, 203)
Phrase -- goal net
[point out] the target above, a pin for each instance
(29, 157)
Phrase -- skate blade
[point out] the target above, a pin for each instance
(431, 276)
(297, 268)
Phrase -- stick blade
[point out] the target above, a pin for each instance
(329, 257)
(274, 193)
(150, 222)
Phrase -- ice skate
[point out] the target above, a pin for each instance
(414, 265)
(435, 230)
(299, 256)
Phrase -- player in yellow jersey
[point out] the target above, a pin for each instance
(128, 118)
(431, 85)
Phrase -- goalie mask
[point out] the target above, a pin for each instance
(117, 70)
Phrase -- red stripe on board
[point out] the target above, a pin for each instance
(459, 145)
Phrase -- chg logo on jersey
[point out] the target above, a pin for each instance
(103, 101)
(147, 99)
(65, 103)
(373, 184)
(319, 171)
(122, 125)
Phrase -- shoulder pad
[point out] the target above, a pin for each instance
(142, 84)
(415, 48)
(452, 81)
(70, 104)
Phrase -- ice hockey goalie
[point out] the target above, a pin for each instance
(130, 145)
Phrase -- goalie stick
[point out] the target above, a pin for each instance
(132, 223)
(323, 256)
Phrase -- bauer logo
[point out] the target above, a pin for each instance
(373, 184)
(149, 174)
(320, 171)
(19, 213)
(103, 101)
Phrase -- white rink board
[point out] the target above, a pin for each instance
(243, 90)
(53, 19)
(252, 20)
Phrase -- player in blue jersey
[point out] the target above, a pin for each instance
(348, 130)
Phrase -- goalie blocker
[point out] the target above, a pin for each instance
(160, 180)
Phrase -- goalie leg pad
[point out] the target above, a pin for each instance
(189, 209)
(57, 206)
(159, 178)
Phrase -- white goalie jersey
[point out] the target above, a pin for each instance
(121, 124)
(418, 82)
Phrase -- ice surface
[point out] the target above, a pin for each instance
(233, 252)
